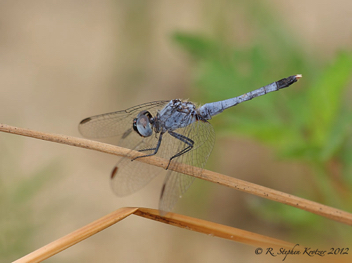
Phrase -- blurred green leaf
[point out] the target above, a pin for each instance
(16, 222)
(286, 215)
(346, 159)
(26, 189)
(325, 98)
(198, 46)
(340, 131)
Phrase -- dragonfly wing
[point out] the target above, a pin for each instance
(176, 184)
(129, 176)
(115, 123)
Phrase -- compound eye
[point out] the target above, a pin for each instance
(142, 126)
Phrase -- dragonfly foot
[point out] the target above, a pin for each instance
(167, 167)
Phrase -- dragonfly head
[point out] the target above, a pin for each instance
(142, 124)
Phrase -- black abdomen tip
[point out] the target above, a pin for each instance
(284, 83)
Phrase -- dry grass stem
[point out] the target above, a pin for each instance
(190, 223)
(76, 236)
(213, 229)
(301, 203)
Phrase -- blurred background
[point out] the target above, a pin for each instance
(62, 61)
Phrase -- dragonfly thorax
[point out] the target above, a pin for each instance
(176, 114)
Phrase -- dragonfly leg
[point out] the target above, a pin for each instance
(150, 149)
(155, 149)
(184, 139)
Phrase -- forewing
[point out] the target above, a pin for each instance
(176, 184)
(115, 123)
(127, 176)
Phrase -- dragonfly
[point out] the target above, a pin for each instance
(176, 130)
